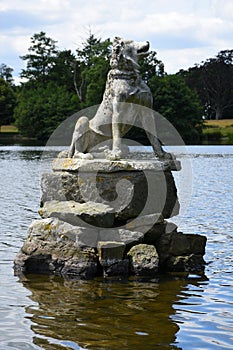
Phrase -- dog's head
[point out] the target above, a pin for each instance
(126, 53)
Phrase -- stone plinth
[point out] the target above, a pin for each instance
(108, 217)
(127, 186)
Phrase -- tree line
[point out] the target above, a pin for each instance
(58, 83)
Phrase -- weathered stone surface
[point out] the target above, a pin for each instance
(178, 243)
(96, 214)
(188, 263)
(56, 247)
(60, 186)
(110, 250)
(185, 244)
(129, 238)
(109, 166)
(144, 260)
(111, 258)
(144, 222)
(118, 268)
(55, 230)
(153, 226)
(155, 232)
(129, 193)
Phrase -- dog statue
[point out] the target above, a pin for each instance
(126, 98)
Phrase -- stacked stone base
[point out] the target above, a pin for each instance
(86, 237)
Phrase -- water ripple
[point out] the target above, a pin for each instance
(43, 312)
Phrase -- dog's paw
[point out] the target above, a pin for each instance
(80, 155)
(63, 154)
(113, 155)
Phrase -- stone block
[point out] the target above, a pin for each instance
(80, 214)
(131, 187)
(144, 260)
(178, 244)
(129, 238)
(53, 247)
(111, 258)
(188, 263)
(110, 251)
(185, 244)
(118, 268)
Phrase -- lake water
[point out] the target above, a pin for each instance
(193, 312)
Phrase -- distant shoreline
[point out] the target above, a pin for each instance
(218, 132)
(215, 132)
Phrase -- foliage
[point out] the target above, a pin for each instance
(151, 66)
(6, 73)
(41, 109)
(60, 82)
(213, 81)
(91, 70)
(62, 70)
(40, 59)
(48, 97)
(7, 102)
(179, 104)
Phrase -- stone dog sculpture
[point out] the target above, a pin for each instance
(124, 93)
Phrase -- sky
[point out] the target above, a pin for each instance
(182, 32)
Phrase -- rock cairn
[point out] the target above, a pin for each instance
(110, 218)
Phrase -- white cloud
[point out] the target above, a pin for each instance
(182, 32)
(174, 60)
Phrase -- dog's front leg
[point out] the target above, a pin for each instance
(80, 140)
(116, 151)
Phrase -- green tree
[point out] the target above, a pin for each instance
(62, 70)
(151, 66)
(91, 70)
(48, 96)
(179, 104)
(6, 73)
(213, 81)
(40, 59)
(41, 109)
(7, 102)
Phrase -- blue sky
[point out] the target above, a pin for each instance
(182, 32)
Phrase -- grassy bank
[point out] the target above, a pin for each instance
(218, 131)
(214, 132)
(9, 135)
(8, 129)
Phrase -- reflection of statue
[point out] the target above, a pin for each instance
(115, 117)
(108, 315)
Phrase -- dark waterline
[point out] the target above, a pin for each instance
(45, 312)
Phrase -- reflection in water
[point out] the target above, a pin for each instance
(104, 314)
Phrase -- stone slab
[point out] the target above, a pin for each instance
(129, 193)
(121, 235)
(108, 166)
(80, 214)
